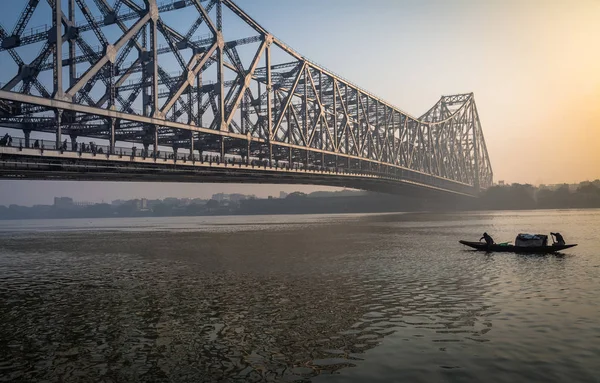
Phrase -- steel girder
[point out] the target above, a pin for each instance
(215, 95)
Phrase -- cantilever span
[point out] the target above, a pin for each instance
(163, 99)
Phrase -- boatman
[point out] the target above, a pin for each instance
(559, 238)
(489, 240)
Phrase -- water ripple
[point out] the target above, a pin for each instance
(350, 301)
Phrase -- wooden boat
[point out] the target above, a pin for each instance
(506, 248)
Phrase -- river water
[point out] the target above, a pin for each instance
(338, 298)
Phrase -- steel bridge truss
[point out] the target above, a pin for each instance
(127, 72)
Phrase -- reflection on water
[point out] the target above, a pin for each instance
(390, 296)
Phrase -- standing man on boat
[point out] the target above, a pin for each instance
(489, 240)
(559, 238)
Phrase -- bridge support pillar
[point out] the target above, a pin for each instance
(270, 154)
(155, 140)
(27, 134)
(112, 123)
(192, 146)
(248, 153)
(307, 160)
(59, 113)
(222, 149)
(73, 142)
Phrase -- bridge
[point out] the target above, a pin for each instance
(121, 90)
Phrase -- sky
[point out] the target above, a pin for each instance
(533, 65)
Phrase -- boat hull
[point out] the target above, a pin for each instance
(515, 249)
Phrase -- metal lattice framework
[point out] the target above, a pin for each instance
(136, 75)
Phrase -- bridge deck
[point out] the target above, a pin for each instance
(52, 164)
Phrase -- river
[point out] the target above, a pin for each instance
(321, 298)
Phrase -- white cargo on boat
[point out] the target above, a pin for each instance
(531, 240)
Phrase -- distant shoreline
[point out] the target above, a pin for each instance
(515, 197)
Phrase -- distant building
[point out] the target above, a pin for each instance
(137, 204)
(171, 201)
(63, 202)
(501, 183)
(282, 194)
(236, 197)
(571, 187)
(144, 204)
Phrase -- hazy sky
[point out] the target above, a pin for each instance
(534, 66)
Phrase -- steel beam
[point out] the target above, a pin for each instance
(56, 35)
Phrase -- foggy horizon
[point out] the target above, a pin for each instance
(85, 191)
(28, 194)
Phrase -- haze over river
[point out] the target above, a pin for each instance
(339, 298)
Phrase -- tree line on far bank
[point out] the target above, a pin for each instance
(519, 196)
(510, 197)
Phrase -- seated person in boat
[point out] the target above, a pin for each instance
(559, 238)
(489, 240)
